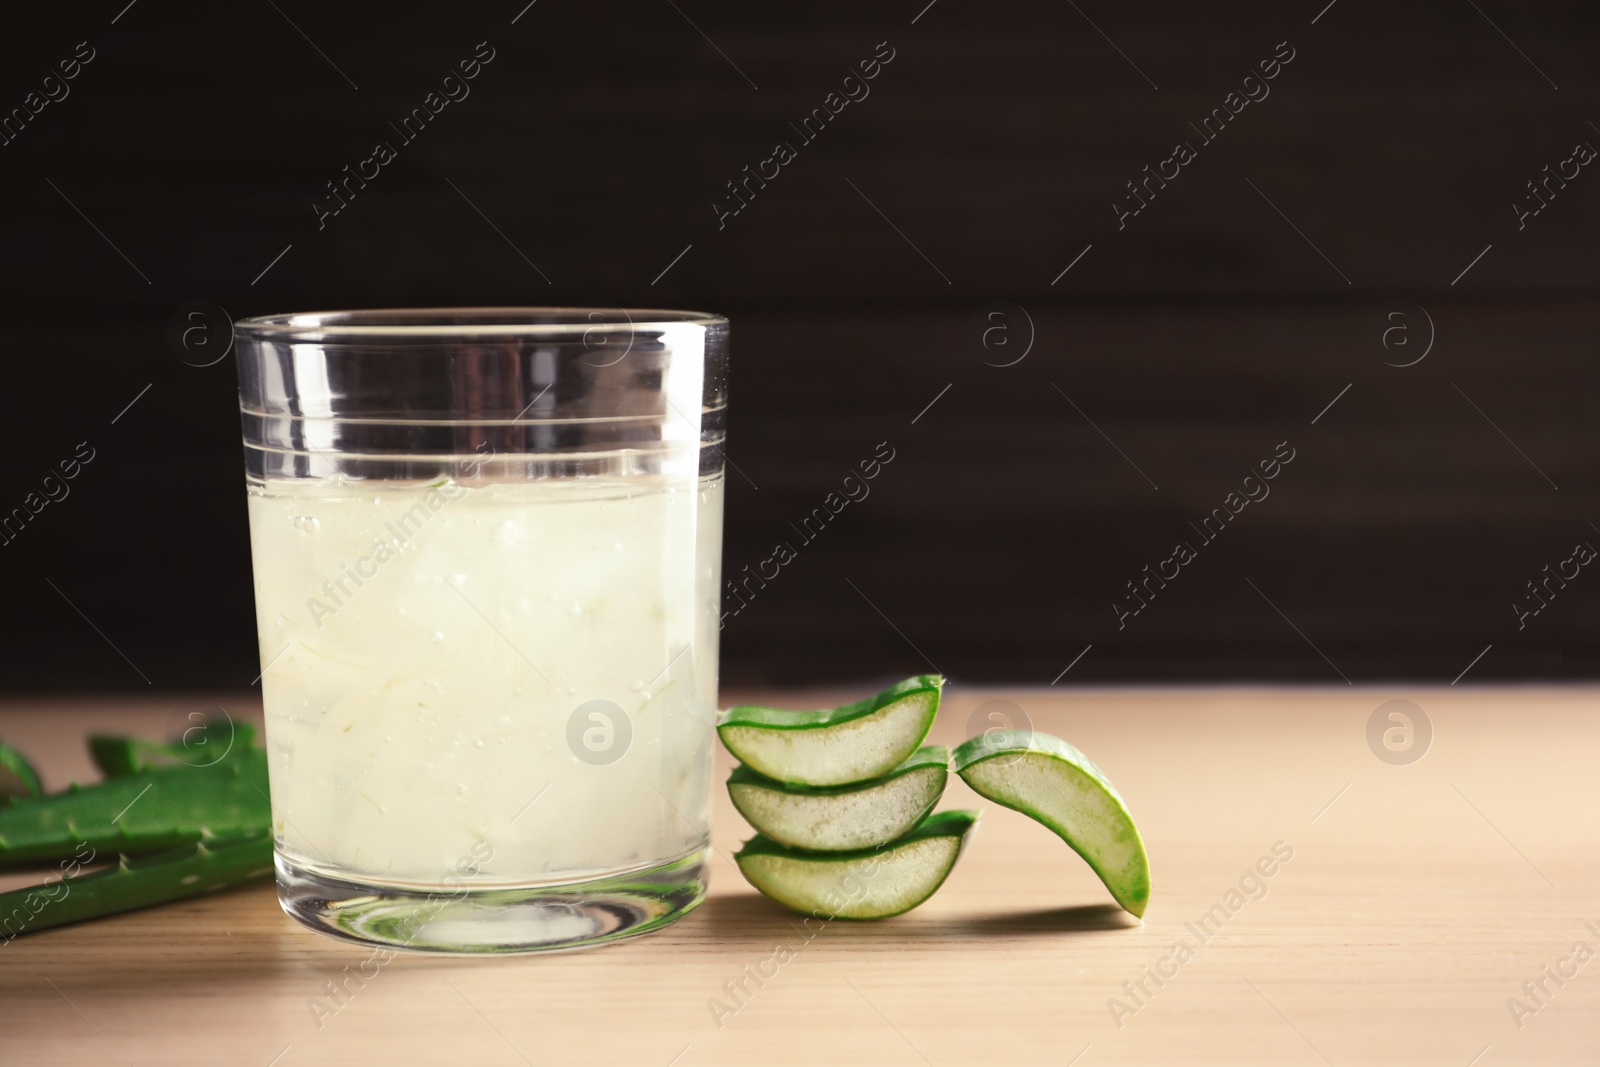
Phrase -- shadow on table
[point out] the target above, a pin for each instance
(749, 916)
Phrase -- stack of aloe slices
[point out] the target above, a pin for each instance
(176, 821)
(841, 801)
(841, 798)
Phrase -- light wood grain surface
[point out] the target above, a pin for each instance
(1419, 899)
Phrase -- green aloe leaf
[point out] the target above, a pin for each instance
(148, 811)
(200, 746)
(17, 776)
(188, 871)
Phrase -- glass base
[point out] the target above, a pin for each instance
(463, 921)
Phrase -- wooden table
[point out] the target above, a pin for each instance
(1418, 900)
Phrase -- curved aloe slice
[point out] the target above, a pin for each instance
(841, 818)
(872, 883)
(1047, 779)
(17, 776)
(835, 746)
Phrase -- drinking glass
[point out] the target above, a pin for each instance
(486, 545)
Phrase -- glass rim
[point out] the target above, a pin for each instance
(462, 323)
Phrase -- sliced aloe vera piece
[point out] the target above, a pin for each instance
(209, 743)
(136, 883)
(17, 776)
(842, 818)
(1047, 779)
(834, 746)
(872, 883)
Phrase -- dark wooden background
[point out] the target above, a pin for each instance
(1221, 321)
